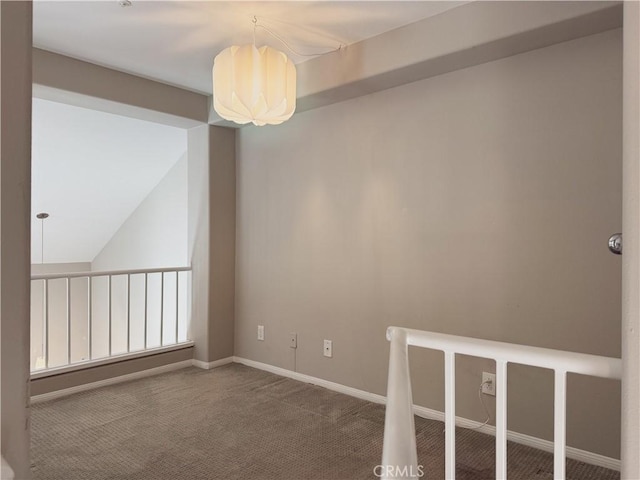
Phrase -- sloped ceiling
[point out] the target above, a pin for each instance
(90, 170)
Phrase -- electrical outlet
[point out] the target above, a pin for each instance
(328, 348)
(293, 340)
(489, 383)
(261, 332)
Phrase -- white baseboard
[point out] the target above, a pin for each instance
(214, 364)
(523, 439)
(110, 381)
(337, 387)
(516, 437)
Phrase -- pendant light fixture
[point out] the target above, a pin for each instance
(42, 216)
(252, 84)
(41, 361)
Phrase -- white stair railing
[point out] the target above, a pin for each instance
(160, 312)
(399, 454)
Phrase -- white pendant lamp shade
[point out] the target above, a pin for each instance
(254, 85)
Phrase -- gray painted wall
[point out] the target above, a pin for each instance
(475, 203)
(15, 204)
(68, 80)
(222, 241)
(212, 217)
(198, 238)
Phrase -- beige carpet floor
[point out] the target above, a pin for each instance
(236, 422)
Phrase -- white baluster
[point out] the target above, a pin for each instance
(399, 451)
